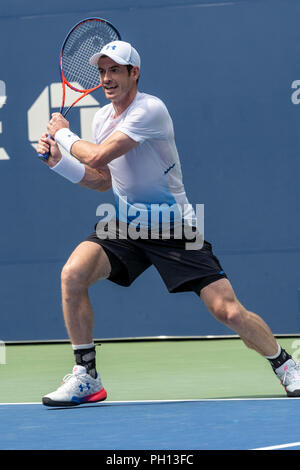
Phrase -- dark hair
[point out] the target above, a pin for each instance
(129, 68)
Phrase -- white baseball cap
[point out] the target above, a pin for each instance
(120, 51)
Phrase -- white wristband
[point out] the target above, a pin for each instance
(69, 168)
(66, 138)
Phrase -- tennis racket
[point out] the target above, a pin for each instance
(86, 38)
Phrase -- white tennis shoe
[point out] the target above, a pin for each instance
(77, 388)
(289, 376)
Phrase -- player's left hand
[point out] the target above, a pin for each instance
(56, 123)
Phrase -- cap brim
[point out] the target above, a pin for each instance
(95, 58)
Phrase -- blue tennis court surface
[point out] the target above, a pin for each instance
(204, 425)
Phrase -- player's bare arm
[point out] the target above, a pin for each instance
(99, 180)
(94, 155)
(98, 156)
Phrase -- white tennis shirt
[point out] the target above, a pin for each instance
(147, 180)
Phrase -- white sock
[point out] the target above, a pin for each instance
(275, 355)
(82, 346)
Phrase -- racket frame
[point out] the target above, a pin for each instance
(63, 78)
(65, 82)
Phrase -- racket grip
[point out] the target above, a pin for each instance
(45, 156)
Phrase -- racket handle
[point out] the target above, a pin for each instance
(45, 156)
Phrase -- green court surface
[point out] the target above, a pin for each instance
(147, 370)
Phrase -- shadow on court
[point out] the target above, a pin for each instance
(102, 405)
(170, 402)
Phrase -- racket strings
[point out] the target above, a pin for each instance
(86, 39)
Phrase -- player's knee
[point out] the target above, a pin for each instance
(229, 313)
(72, 278)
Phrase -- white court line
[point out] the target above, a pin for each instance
(280, 446)
(168, 401)
(24, 403)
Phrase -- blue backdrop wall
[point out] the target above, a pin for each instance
(229, 72)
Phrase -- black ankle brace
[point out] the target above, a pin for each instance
(87, 358)
(281, 359)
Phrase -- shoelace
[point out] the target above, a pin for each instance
(68, 377)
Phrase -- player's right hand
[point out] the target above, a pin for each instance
(44, 144)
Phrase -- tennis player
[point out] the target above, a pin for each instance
(135, 154)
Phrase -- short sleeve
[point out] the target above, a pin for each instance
(148, 119)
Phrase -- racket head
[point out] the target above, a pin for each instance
(85, 39)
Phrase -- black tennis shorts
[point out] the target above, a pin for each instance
(181, 269)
